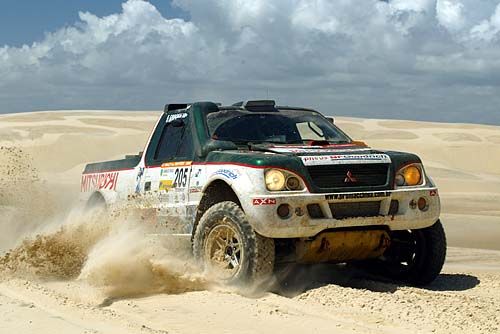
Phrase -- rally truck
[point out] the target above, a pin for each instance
(255, 185)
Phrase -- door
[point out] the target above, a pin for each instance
(168, 170)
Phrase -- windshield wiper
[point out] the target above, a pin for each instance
(326, 141)
(263, 148)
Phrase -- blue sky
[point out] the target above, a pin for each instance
(26, 21)
(435, 60)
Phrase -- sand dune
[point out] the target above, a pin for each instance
(464, 160)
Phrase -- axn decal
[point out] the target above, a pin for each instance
(103, 181)
(264, 201)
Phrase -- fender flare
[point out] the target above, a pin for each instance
(239, 191)
(227, 182)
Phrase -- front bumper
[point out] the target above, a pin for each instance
(262, 213)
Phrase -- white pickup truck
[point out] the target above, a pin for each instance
(254, 184)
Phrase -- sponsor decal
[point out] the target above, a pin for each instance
(357, 195)
(103, 181)
(179, 197)
(197, 177)
(166, 185)
(264, 201)
(176, 164)
(167, 174)
(317, 149)
(230, 174)
(173, 117)
(194, 190)
(176, 177)
(138, 178)
(197, 173)
(345, 159)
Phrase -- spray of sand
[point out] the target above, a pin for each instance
(128, 263)
(58, 252)
(41, 240)
(24, 199)
(110, 252)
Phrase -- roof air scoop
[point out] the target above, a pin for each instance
(257, 105)
(175, 106)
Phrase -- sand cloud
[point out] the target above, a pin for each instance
(421, 59)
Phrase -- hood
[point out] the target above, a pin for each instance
(303, 160)
(333, 154)
(313, 149)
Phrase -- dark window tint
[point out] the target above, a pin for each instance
(285, 126)
(175, 143)
(258, 127)
(185, 151)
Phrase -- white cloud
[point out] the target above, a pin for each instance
(411, 5)
(427, 59)
(450, 14)
(488, 29)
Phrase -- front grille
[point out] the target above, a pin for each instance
(348, 176)
(355, 209)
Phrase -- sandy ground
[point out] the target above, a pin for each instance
(109, 280)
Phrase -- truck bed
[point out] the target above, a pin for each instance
(129, 162)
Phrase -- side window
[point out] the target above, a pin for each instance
(175, 142)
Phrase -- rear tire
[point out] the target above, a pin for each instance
(229, 249)
(415, 256)
(96, 203)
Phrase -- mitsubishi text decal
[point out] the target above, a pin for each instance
(103, 181)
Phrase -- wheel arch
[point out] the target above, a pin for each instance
(96, 199)
(215, 192)
(99, 197)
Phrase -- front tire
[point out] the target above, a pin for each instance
(415, 256)
(228, 247)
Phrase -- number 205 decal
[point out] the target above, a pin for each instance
(181, 177)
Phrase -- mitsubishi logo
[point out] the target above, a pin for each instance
(350, 178)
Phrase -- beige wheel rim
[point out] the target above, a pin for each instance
(223, 250)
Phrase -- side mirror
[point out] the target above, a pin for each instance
(330, 119)
(217, 145)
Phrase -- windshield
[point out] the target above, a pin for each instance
(283, 127)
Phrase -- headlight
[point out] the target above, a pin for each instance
(278, 180)
(275, 180)
(410, 175)
(293, 183)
